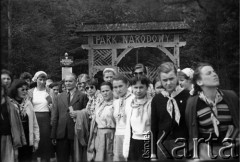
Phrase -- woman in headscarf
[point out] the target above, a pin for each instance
(211, 113)
(42, 101)
(185, 77)
(137, 141)
(18, 93)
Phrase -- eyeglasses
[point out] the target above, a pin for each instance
(24, 90)
(89, 87)
(139, 73)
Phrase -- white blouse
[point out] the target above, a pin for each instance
(40, 103)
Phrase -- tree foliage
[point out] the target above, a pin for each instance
(43, 30)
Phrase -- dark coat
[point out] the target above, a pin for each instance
(61, 120)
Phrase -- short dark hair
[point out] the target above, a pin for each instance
(5, 71)
(15, 85)
(121, 77)
(92, 82)
(182, 74)
(54, 84)
(25, 75)
(140, 66)
(157, 79)
(107, 84)
(143, 79)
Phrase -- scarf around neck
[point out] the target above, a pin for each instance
(213, 108)
(172, 103)
(122, 102)
(139, 105)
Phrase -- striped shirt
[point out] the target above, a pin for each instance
(205, 122)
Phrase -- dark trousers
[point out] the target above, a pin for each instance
(25, 153)
(64, 150)
(140, 150)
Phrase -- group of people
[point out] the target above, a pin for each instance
(120, 119)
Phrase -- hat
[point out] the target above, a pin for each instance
(37, 74)
(109, 69)
(189, 72)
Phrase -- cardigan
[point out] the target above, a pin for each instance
(34, 135)
(17, 132)
(161, 121)
(128, 133)
(229, 97)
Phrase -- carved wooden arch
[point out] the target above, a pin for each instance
(104, 41)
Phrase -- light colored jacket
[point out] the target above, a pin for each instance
(34, 135)
(127, 135)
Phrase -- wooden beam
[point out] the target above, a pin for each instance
(90, 57)
(119, 58)
(176, 50)
(114, 56)
(172, 58)
(132, 45)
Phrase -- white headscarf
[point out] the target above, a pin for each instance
(110, 69)
(189, 72)
(37, 74)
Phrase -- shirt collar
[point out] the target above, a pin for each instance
(72, 91)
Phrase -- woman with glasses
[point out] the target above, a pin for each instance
(94, 96)
(18, 93)
(81, 82)
(42, 101)
(212, 114)
(137, 141)
(120, 85)
(11, 130)
(103, 126)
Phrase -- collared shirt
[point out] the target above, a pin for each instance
(72, 92)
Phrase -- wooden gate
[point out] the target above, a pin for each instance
(108, 44)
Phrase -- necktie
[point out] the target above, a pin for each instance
(68, 98)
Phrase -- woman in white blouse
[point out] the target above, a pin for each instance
(120, 86)
(41, 101)
(105, 125)
(137, 143)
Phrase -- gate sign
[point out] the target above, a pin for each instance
(66, 60)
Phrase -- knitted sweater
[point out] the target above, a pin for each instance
(229, 97)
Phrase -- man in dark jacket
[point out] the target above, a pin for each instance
(64, 115)
(168, 113)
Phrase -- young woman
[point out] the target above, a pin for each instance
(120, 85)
(41, 101)
(137, 143)
(158, 88)
(211, 113)
(105, 126)
(185, 77)
(6, 78)
(94, 97)
(18, 93)
(11, 131)
(141, 70)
